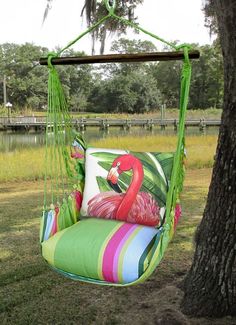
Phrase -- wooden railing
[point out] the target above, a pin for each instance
(39, 123)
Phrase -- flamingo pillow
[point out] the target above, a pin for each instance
(127, 186)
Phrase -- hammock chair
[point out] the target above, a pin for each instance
(108, 214)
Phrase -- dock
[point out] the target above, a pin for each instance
(38, 124)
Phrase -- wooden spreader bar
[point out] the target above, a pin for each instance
(119, 58)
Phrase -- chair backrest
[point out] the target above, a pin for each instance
(127, 186)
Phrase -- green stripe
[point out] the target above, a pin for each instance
(43, 225)
(83, 259)
(102, 250)
(141, 266)
(49, 247)
(157, 253)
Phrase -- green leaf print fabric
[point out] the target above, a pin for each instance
(126, 186)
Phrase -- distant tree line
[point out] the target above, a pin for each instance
(133, 88)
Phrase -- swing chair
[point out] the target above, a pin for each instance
(108, 214)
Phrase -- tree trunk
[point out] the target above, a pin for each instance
(210, 286)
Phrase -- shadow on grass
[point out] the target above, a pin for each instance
(33, 294)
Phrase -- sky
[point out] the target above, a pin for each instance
(21, 22)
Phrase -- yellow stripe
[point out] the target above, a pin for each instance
(123, 251)
(49, 246)
(104, 245)
(157, 256)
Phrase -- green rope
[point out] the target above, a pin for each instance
(111, 14)
(89, 30)
(58, 130)
(58, 113)
(50, 139)
(46, 150)
(139, 28)
(59, 135)
(176, 180)
(110, 7)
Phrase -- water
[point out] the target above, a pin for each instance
(17, 141)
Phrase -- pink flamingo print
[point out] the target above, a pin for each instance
(178, 212)
(132, 206)
(78, 150)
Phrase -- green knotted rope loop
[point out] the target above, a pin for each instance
(50, 56)
(186, 48)
(184, 45)
(111, 6)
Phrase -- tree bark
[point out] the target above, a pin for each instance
(210, 286)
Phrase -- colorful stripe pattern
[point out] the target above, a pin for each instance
(59, 218)
(118, 252)
(112, 252)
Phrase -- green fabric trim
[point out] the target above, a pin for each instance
(141, 267)
(48, 248)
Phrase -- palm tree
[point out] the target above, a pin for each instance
(89, 8)
(94, 10)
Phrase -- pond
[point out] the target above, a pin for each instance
(18, 141)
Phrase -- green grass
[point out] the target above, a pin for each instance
(28, 164)
(200, 149)
(31, 293)
(210, 113)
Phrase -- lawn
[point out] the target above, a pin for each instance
(210, 113)
(28, 164)
(33, 294)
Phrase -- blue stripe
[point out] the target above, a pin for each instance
(50, 218)
(130, 268)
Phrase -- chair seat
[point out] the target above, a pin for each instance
(104, 250)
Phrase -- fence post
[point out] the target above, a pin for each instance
(163, 116)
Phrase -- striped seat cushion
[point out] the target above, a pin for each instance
(107, 250)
